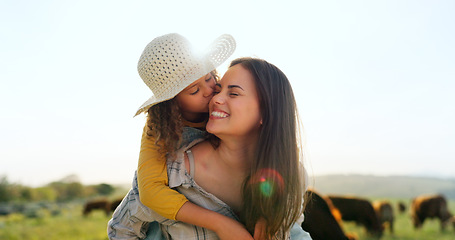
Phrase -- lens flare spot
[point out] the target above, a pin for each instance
(268, 181)
(266, 188)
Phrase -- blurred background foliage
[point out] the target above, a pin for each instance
(59, 191)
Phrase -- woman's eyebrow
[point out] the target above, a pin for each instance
(230, 86)
(235, 86)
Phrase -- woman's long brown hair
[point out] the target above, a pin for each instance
(274, 189)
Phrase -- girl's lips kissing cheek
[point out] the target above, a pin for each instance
(218, 114)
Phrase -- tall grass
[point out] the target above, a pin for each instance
(70, 224)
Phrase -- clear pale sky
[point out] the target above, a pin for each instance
(374, 80)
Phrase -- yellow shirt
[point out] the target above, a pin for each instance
(154, 191)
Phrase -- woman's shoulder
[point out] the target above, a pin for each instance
(178, 166)
(201, 150)
(179, 154)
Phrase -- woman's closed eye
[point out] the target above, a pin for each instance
(217, 89)
(235, 90)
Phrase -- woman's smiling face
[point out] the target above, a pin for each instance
(234, 109)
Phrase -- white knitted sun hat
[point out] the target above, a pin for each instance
(168, 65)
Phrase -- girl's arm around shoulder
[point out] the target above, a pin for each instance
(152, 180)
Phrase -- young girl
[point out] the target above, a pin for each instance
(182, 84)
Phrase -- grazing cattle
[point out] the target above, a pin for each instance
(360, 211)
(384, 212)
(401, 207)
(101, 204)
(430, 206)
(320, 222)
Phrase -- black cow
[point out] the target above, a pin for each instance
(320, 222)
(360, 211)
(430, 206)
(384, 212)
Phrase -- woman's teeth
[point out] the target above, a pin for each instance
(219, 114)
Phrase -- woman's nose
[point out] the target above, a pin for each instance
(218, 99)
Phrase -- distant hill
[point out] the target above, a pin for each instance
(382, 186)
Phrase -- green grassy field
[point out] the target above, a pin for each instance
(69, 224)
(403, 228)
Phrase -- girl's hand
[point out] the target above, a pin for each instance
(233, 230)
(259, 229)
(226, 228)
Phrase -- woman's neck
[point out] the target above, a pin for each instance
(222, 170)
(236, 153)
(233, 156)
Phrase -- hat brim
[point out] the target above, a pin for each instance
(145, 105)
(149, 103)
(220, 50)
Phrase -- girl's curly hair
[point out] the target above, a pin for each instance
(164, 123)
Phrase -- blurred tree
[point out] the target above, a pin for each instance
(72, 178)
(67, 191)
(46, 194)
(59, 188)
(90, 190)
(104, 189)
(9, 191)
(74, 190)
(4, 191)
(26, 193)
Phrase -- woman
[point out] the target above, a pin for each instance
(254, 116)
(251, 170)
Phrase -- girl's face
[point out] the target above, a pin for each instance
(234, 109)
(194, 99)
